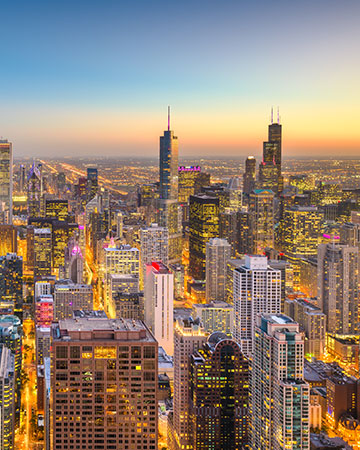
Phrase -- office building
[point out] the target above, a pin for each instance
(69, 297)
(256, 289)
(42, 287)
(34, 191)
(92, 183)
(7, 399)
(218, 316)
(301, 231)
(58, 209)
(249, 175)
(42, 344)
(6, 181)
(219, 395)
(8, 239)
(73, 267)
(129, 305)
(154, 246)
(312, 321)
(42, 252)
(218, 252)
(123, 260)
(261, 209)
(11, 282)
(280, 398)
(179, 277)
(116, 396)
(203, 225)
(338, 287)
(169, 163)
(191, 179)
(159, 304)
(44, 311)
(188, 338)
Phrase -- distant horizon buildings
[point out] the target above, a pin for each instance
(6, 181)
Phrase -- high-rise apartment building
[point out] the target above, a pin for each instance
(312, 321)
(69, 297)
(280, 398)
(6, 181)
(7, 399)
(159, 304)
(338, 287)
(203, 225)
(42, 252)
(218, 252)
(154, 246)
(261, 209)
(256, 289)
(219, 395)
(104, 385)
(249, 175)
(188, 338)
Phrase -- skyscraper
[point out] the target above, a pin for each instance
(116, 391)
(154, 246)
(169, 162)
(256, 289)
(261, 210)
(92, 183)
(188, 338)
(249, 175)
(159, 304)
(42, 252)
(11, 282)
(338, 287)
(218, 252)
(7, 398)
(6, 180)
(8, 239)
(203, 225)
(219, 395)
(167, 205)
(34, 191)
(280, 397)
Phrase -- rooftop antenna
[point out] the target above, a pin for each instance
(278, 116)
(168, 118)
(272, 115)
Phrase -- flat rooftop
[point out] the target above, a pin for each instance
(102, 329)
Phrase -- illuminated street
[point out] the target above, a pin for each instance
(24, 439)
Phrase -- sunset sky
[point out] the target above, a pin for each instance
(95, 77)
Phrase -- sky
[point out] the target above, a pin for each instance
(92, 78)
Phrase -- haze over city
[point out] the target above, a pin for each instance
(86, 78)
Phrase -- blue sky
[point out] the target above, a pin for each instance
(88, 75)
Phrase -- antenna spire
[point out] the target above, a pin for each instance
(278, 116)
(168, 118)
(272, 115)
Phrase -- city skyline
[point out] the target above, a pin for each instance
(97, 82)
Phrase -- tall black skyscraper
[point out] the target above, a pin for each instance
(169, 163)
(168, 207)
(270, 167)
